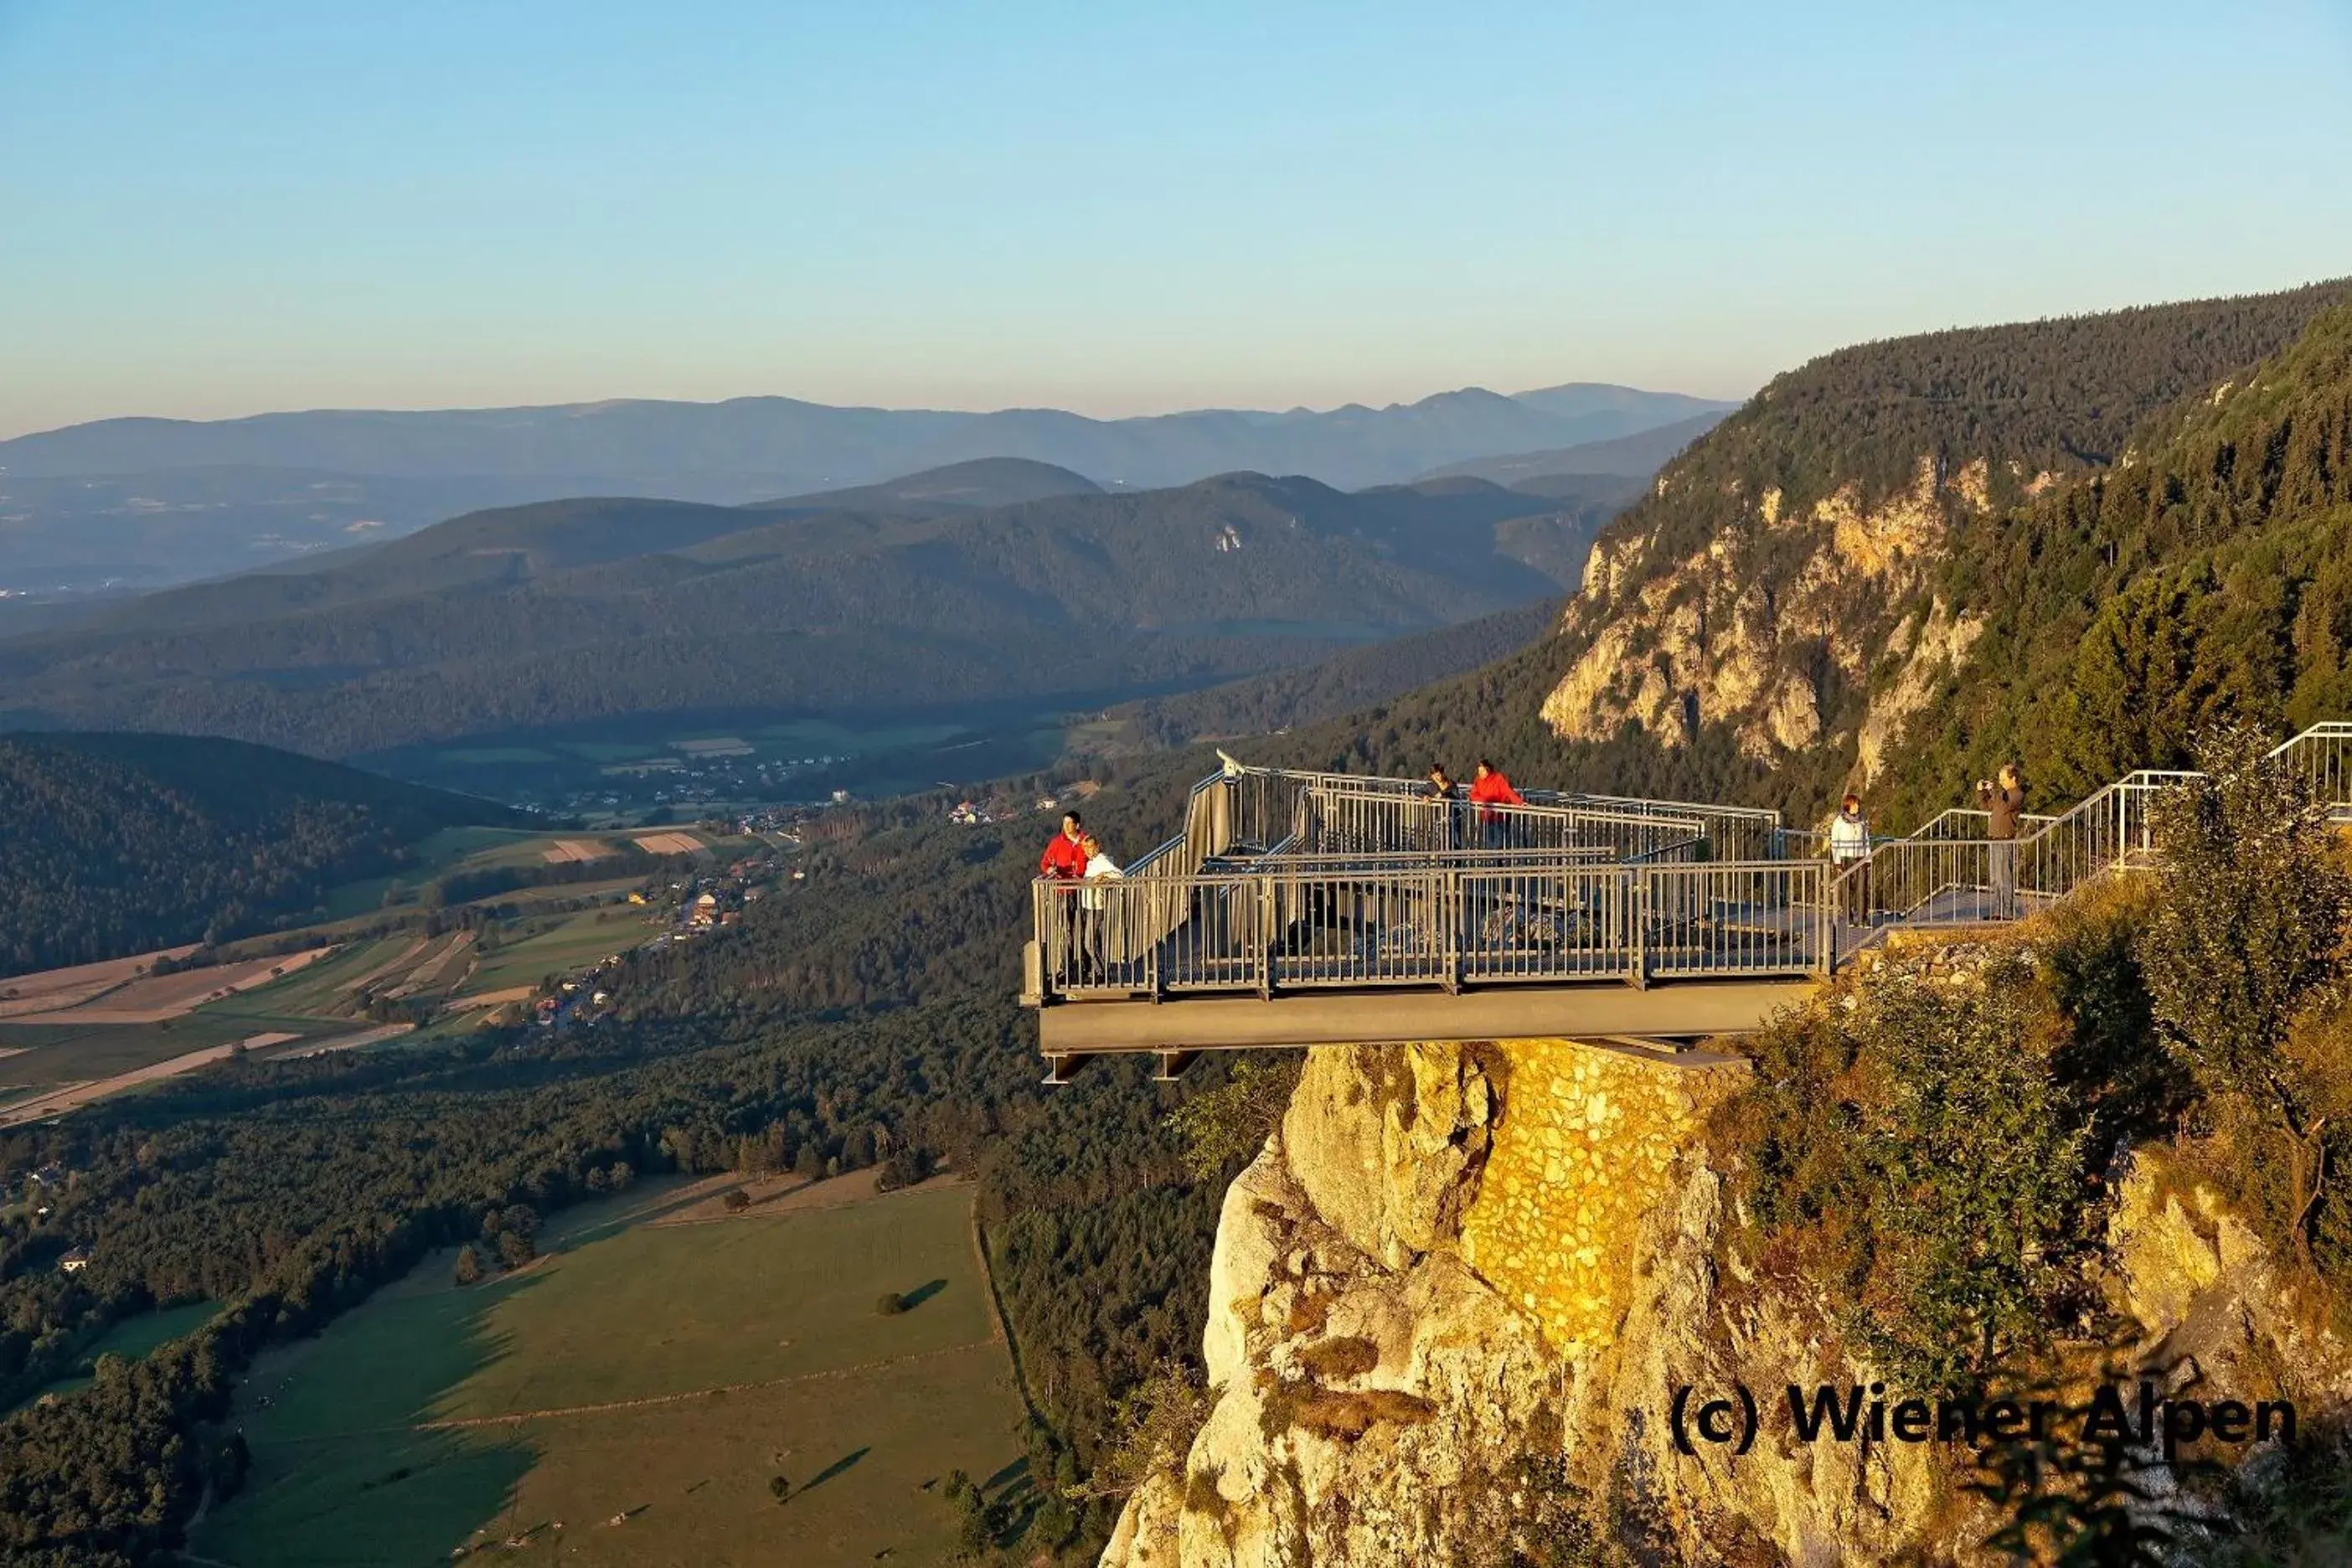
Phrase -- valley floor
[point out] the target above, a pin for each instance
(628, 1397)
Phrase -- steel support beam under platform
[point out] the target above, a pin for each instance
(1689, 1009)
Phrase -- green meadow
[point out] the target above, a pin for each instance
(629, 1398)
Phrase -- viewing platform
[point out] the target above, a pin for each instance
(1306, 908)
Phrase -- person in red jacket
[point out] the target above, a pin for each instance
(1065, 859)
(1490, 789)
(1064, 863)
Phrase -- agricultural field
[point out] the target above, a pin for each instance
(557, 944)
(25, 994)
(58, 1055)
(451, 849)
(630, 1396)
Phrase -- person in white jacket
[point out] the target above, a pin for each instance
(1093, 901)
(1850, 857)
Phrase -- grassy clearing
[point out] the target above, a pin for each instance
(857, 1410)
(821, 737)
(28, 1036)
(484, 756)
(437, 854)
(573, 941)
(321, 989)
(134, 1339)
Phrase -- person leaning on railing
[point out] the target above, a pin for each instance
(1092, 900)
(1490, 789)
(1850, 858)
(1441, 789)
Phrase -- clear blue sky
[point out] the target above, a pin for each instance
(220, 207)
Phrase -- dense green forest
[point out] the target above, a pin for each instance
(2209, 579)
(120, 844)
(592, 609)
(2062, 395)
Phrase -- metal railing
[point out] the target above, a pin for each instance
(1939, 878)
(1343, 821)
(1967, 822)
(2323, 755)
(1432, 926)
(1287, 880)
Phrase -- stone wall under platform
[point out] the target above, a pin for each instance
(1583, 1152)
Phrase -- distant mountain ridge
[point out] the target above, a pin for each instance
(1639, 455)
(975, 486)
(817, 445)
(147, 502)
(592, 608)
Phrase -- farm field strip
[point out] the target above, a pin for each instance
(474, 999)
(104, 1051)
(370, 976)
(669, 843)
(350, 1042)
(418, 977)
(159, 998)
(572, 943)
(74, 1096)
(51, 990)
(641, 1387)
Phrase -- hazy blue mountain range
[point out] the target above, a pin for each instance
(144, 502)
(1636, 456)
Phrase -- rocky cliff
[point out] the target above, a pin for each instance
(1784, 610)
(1453, 1298)
(1791, 578)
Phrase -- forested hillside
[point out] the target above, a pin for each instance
(1835, 558)
(2208, 578)
(1344, 684)
(595, 609)
(119, 844)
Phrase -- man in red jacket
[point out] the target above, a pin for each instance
(1491, 789)
(1065, 864)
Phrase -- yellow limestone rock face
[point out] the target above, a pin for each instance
(2202, 1286)
(1943, 641)
(1448, 1259)
(1733, 633)
(1372, 1385)
(1585, 1152)
(1906, 527)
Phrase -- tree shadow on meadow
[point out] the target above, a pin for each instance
(910, 1300)
(358, 1453)
(834, 1468)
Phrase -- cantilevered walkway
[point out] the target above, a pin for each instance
(1305, 908)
